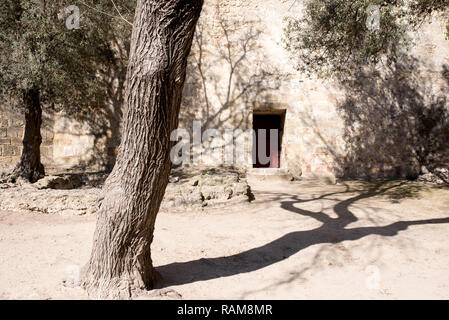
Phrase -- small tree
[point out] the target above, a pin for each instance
(51, 63)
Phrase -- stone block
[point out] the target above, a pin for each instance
(3, 122)
(66, 182)
(16, 135)
(48, 135)
(10, 151)
(47, 151)
(5, 141)
(16, 121)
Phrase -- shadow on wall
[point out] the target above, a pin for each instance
(104, 117)
(227, 73)
(396, 123)
(85, 135)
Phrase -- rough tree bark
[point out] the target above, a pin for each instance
(30, 166)
(120, 262)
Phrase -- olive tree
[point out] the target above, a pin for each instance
(120, 262)
(54, 56)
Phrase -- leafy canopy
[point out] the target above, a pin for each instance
(65, 65)
(333, 36)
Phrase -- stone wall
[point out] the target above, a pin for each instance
(238, 66)
(67, 144)
(11, 134)
(11, 128)
(239, 46)
(262, 78)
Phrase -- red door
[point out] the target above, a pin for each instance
(267, 122)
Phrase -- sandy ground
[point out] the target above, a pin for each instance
(296, 241)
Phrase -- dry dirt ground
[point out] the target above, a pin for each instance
(298, 240)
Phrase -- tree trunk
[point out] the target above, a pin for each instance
(30, 166)
(120, 262)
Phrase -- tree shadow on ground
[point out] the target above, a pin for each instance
(332, 231)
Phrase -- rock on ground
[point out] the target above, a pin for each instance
(206, 187)
(78, 194)
(66, 202)
(439, 176)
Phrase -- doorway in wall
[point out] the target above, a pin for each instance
(268, 121)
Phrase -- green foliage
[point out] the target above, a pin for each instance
(66, 66)
(420, 9)
(332, 36)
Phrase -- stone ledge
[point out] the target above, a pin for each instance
(270, 174)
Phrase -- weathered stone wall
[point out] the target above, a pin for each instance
(238, 66)
(67, 144)
(11, 134)
(10, 138)
(262, 78)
